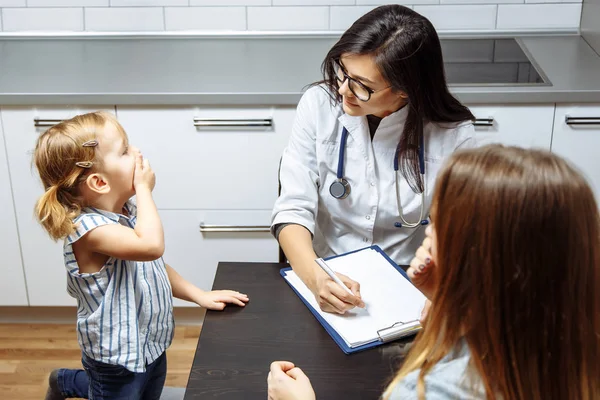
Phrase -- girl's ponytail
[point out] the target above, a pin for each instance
(54, 215)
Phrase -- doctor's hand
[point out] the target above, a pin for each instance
(287, 382)
(334, 299)
(421, 269)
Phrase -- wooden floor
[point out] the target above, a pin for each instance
(28, 352)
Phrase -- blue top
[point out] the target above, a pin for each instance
(450, 378)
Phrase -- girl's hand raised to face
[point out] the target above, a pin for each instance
(143, 175)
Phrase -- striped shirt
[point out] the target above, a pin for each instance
(125, 310)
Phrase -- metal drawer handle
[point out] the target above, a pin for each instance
(489, 121)
(582, 120)
(234, 228)
(234, 123)
(44, 123)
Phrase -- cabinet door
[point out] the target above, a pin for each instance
(211, 157)
(577, 138)
(12, 285)
(45, 273)
(195, 254)
(522, 125)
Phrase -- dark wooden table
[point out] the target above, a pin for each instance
(237, 345)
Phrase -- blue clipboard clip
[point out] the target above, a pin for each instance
(399, 330)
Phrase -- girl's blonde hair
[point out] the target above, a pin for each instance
(64, 156)
(517, 276)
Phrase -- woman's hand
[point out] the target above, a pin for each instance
(286, 382)
(332, 298)
(421, 268)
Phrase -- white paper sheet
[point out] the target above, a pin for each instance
(389, 296)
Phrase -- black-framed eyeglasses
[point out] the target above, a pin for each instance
(358, 89)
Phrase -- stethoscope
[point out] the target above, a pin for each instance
(340, 189)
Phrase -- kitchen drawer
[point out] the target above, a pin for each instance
(211, 157)
(525, 126)
(577, 138)
(42, 258)
(13, 291)
(240, 235)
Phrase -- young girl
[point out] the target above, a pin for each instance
(512, 266)
(113, 251)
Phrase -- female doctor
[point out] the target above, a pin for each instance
(366, 146)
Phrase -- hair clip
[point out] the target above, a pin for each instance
(84, 164)
(90, 143)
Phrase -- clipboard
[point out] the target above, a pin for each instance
(385, 334)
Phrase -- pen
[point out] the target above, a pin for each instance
(332, 275)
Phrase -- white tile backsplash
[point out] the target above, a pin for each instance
(404, 3)
(552, 1)
(13, 3)
(280, 15)
(223, 3)
(205, 18)
(124, 19)
(288, 18)
(147, 3)
(460, 17)
(532, 16)
(42, 19)
(481, 1)
(341, 18)
(67, 3)
(313, 2)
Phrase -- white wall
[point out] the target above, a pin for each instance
(278, 15)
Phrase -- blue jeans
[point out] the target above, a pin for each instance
(100, 381)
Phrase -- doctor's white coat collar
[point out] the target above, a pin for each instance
(355, 124)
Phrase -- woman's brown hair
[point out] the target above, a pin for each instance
(63, 163)
(517, 276)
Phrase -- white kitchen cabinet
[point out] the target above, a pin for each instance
(211, 157)
(520, 125)
(216, 167)
(577, 138)
(195, 255)
(221, 177)
(45, 273)
(13, 291)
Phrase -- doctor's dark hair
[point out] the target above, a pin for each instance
(407, 50)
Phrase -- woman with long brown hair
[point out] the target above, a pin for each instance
(512, 266)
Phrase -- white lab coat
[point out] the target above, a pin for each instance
(367, 215)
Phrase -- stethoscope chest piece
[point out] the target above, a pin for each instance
(340, 189)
